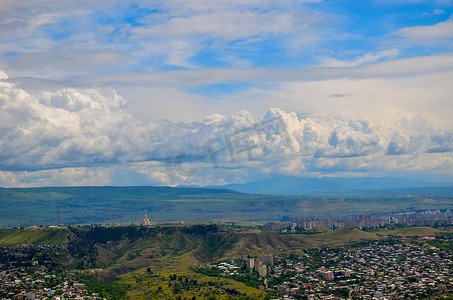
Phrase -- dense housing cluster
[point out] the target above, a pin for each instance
(40, 284)
(28, 273)
(384, 269)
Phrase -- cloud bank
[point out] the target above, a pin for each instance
(88, 137)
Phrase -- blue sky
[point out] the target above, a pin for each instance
(246, 34)
(86, 85)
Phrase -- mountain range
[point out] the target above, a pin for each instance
(293, 185)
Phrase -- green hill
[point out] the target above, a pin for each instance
(26, 237)
(348, 233)
(413, 231)
(122, 249)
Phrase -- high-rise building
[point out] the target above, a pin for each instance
(250, 263)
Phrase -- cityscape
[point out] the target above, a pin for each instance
(387, 269)
(384, 260)
(430, 218)
(226, 150)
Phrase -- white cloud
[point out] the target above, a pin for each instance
(77, 137)
(382, 91)
(226, 25)
(403, 67)
(68, 127)
(364, 59)
(81, 38)
(437, 2)
(439, 30)
(438, 36)
(435, 11)
(52, 126)
(383, 100)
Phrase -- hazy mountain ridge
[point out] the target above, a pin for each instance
(88, 205)
(290, 185)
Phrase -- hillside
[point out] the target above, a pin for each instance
(27, 237)
(136, 262)
(411, 231)
(122, 249)
(131, 262)
(348, 233)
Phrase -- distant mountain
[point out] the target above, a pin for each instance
(291, 185)
(92, 205)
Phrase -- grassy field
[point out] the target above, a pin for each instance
(26, 237)
(412, 231)
(155, 283)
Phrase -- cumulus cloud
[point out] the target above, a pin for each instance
(61, 119)
(68, 127)
(87, 133)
